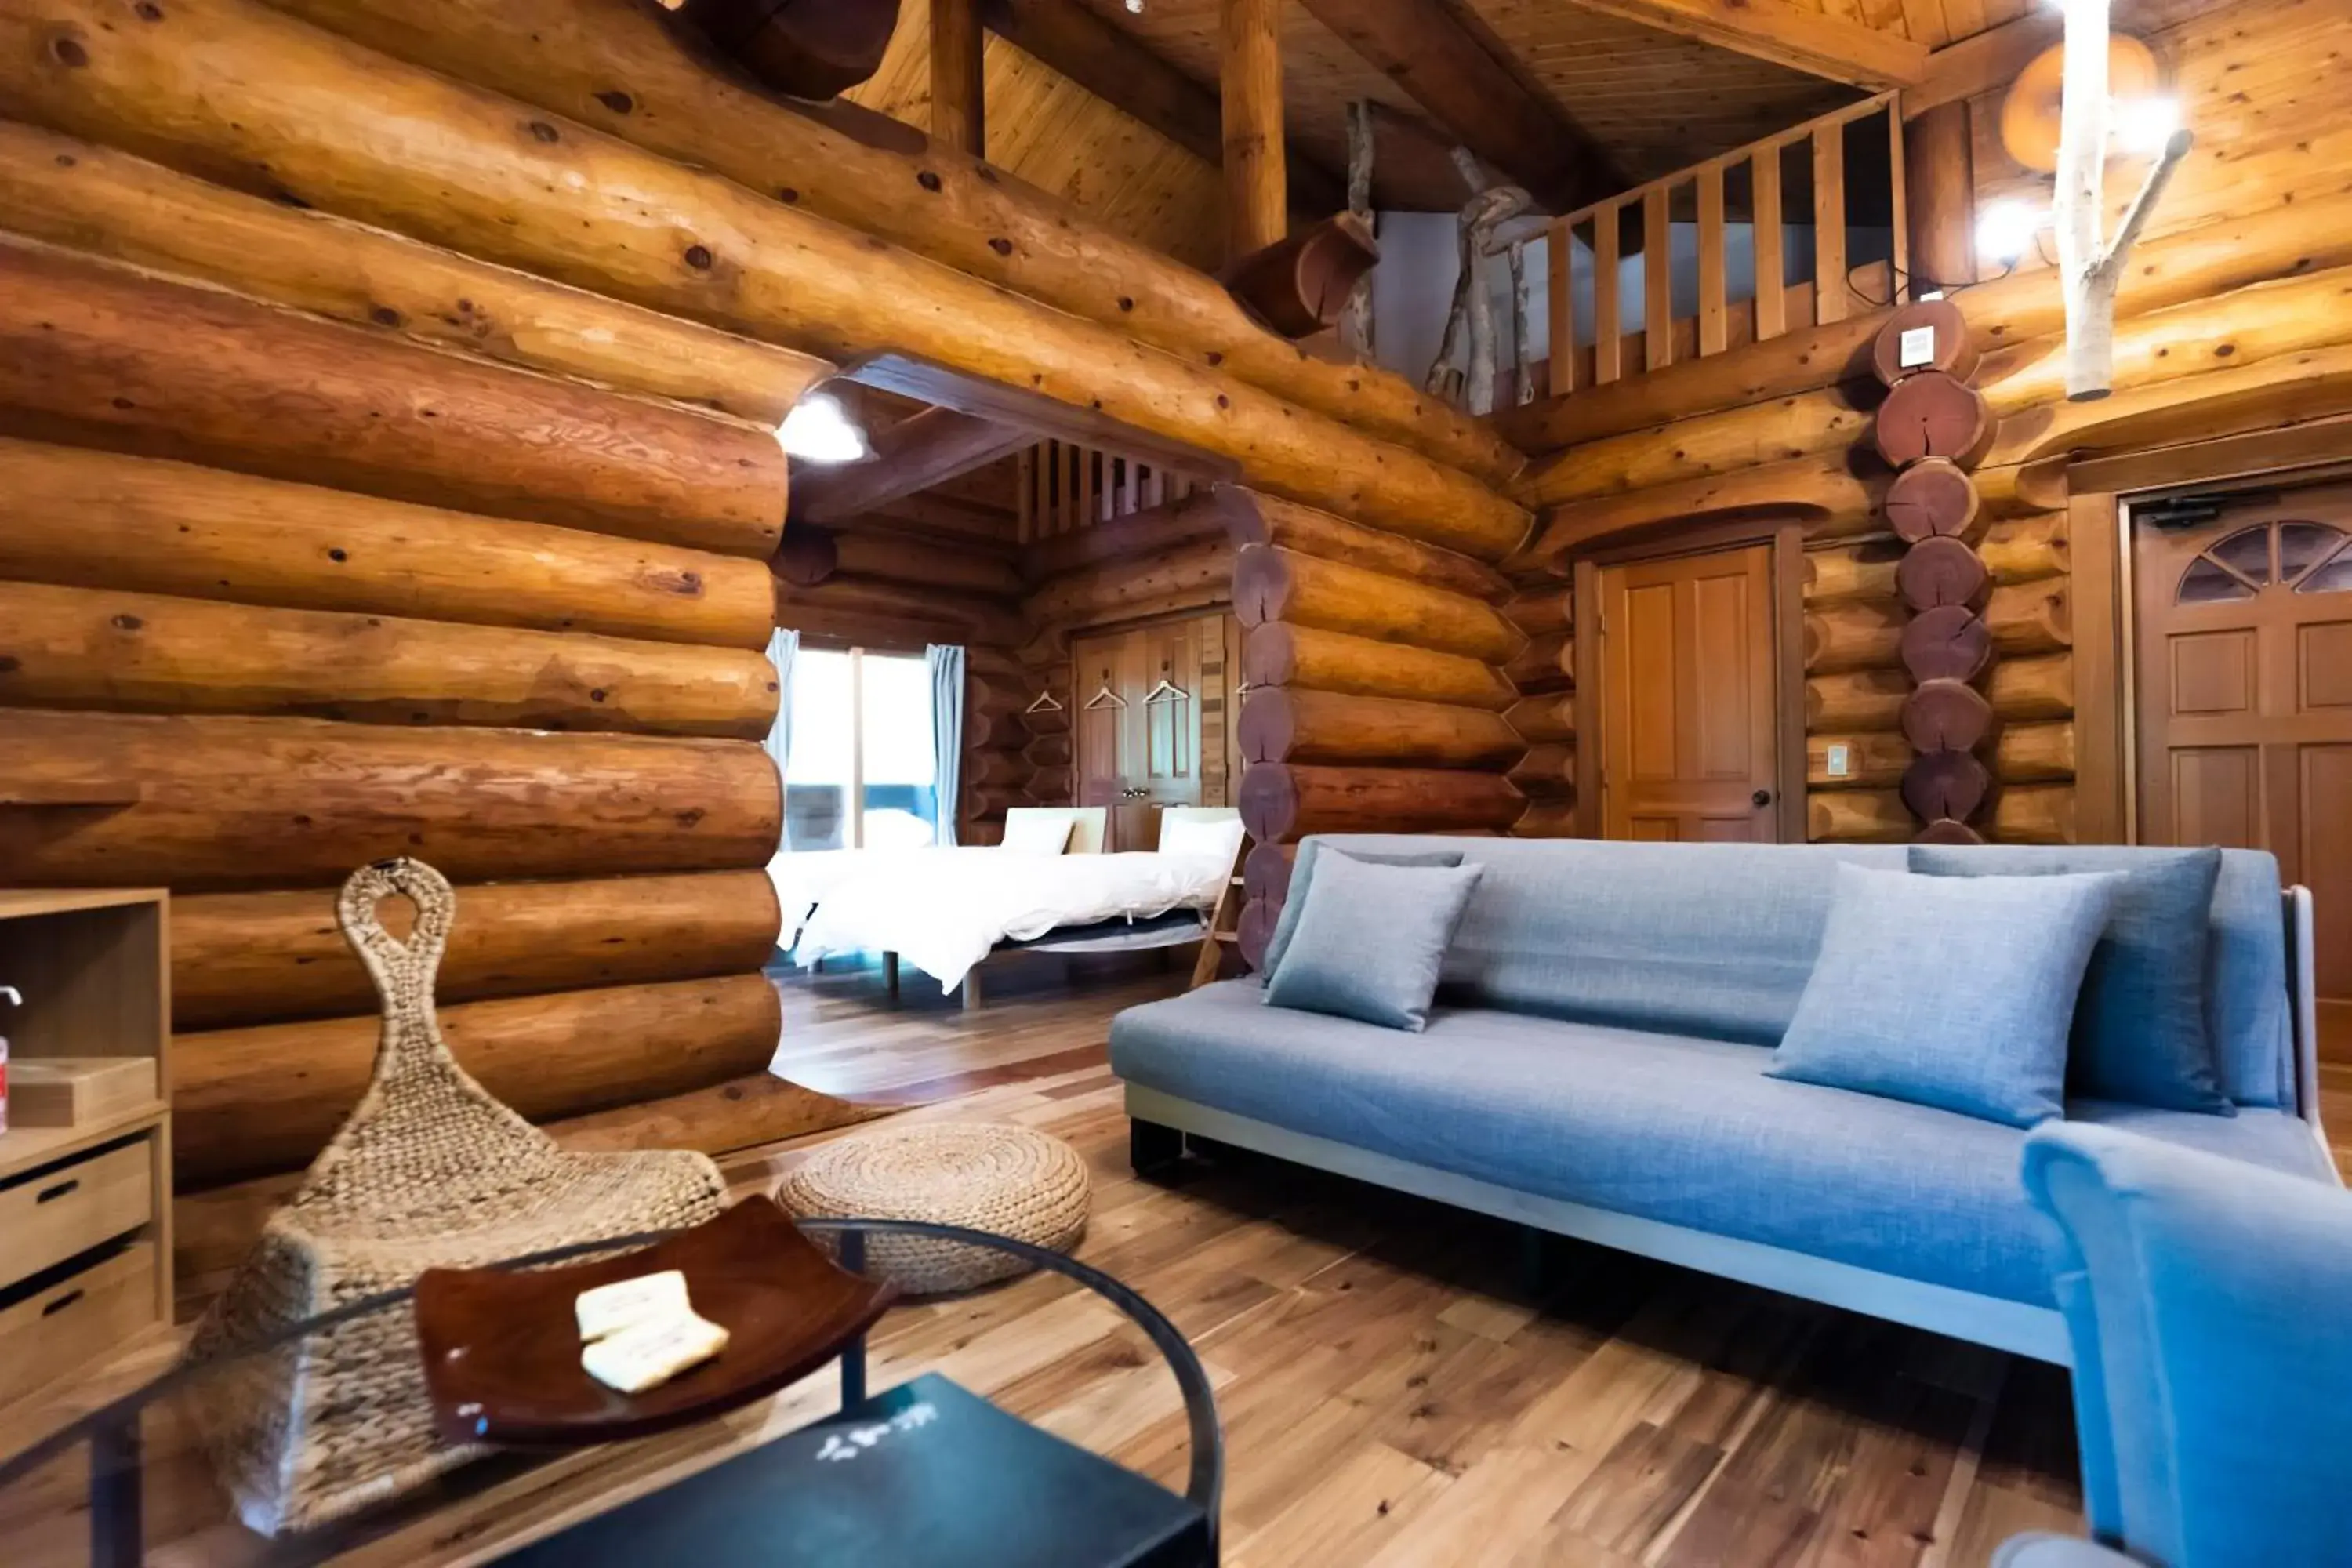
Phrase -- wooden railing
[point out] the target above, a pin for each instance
(1064, 486)
(1836, 288)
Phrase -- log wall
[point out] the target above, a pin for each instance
(2232, 320)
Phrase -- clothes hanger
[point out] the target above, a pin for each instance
(1046, 703)
(1105, 696)
(1166, 691)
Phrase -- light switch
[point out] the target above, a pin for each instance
(1840, 760)
(1917, 347)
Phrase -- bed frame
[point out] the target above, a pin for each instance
(1088, 827)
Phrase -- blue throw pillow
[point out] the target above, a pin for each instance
(1302, 875)
(1951, 992)
(2139, 1033)
(1370, 941)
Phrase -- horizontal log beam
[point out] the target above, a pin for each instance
(909, 613)
(100, 519)
(1254, 519)
(1281, 801)
(2016, 550)
(1545, 774)
(1544, 721)
(1272, 583)
(1200, 571)
(93, 354)
(91, 198)
(100, 648)
(2027, 813)
(1819, 45)
(612, 65)
(223, 802)
(1287, 724)
(2041, 687)
(2033, 752)
(246, 1102)
(1548, 663)
(811, 553)
(1279, 654)
(225, 85)
(268, 958)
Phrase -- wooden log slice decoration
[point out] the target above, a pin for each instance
(1297, 285)
(1933, 415)
(808, 555)
(1951, 642)
(1946, 784)
(1932, 499)
(1255, 929)
(802, 49)
(1944, 830)
(1950, 346)
(1946, 716)
(1939, 572)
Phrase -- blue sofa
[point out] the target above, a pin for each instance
(1595, 1067)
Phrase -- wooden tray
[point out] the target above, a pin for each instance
(501, 1347)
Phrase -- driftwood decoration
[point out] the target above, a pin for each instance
(2090, 267)
(1302, 283)
(1471, 314)
(1356, 316)
(804, 48)
(1932, 428)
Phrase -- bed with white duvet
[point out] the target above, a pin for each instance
(945, 909)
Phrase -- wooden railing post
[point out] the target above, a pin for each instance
(1608, 334)
(1657, 282)
(1714, 311)
(1559, 279)
(1771, 249)
(1829, 224)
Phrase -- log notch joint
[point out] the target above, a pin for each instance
(1933, 428)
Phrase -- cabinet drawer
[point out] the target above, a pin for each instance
(51, 1333)
(47, 1216)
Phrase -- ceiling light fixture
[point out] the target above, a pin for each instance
(819, 430)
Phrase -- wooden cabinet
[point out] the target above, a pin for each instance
(1152, 723)
(85, 1208)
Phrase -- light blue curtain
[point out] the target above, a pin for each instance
(782, 649)
(945, 661)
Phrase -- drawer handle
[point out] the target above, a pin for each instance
(60, 1189)
(52, 1309)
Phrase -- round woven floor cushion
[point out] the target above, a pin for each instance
(1011, 1180)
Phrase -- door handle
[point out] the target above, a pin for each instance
(1761, 797)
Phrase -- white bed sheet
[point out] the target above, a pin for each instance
(942, 909)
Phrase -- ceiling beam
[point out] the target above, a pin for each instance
(1120, 70)
(1775, 30)
(1986, 62)
(920, 451)
(1427, 50)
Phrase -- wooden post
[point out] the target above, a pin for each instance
(957, 118)
(1828, 224)
(1257, 189)
(1939, 186)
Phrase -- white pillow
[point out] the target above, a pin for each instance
(1208, 835)
(1025, 834)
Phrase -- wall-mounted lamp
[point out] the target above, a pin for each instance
(2005, 230)
(819, 430)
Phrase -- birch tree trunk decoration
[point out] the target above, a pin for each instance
(2088, 270)
(1523, 378)
(1356, 316)
(1472, 313)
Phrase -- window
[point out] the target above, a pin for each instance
(859, 775)
(2309, 557)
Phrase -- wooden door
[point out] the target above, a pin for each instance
(2244, 699)
(1152, 723)
(1688, 721)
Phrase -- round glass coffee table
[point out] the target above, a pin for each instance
(922, 1473)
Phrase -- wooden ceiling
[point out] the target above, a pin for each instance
(1585, 97)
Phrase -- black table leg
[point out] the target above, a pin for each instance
(853, 1355)
(116, 1489)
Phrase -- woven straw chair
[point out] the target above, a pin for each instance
(429, 1172)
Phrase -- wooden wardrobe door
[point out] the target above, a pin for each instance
(1168, 732)
(1101, 743)
(2244, 650)
(1688, 722)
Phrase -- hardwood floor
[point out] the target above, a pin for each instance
(1393, 1397)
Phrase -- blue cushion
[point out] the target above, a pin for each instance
(1953, 993)
(1689, 1131)
(1370, 941)
(1688, 938)
(1302, 879)
(2205, 1307)
(2139, 1030)
(2245, 973)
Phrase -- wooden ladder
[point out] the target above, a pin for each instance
(1224, 923)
